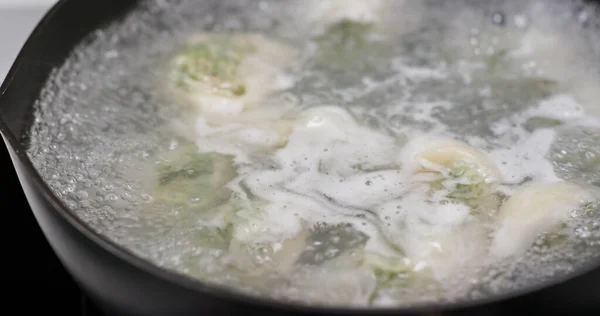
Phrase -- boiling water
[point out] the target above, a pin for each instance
(516, 79)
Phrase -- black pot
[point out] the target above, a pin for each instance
(122, 283)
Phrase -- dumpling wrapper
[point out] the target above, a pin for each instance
(533, 210)
(259, 71)
(430, 154)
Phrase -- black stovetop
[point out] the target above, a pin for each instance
(32, 276)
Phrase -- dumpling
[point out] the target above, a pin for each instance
(225, 81)
(330, 139)
(564, 65)
(223, 75)
(445, 155)
(531, 211)
(440, 238)
(464, 172)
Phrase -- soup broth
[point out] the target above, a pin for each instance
(336, 153)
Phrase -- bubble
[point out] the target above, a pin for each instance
(498, 18)
(195, 199)
(521, 21)
(82, 195)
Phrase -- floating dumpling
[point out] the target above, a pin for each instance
(450, 157)
(464, 172)
(223, 75)
(533, 210)
(227, 80)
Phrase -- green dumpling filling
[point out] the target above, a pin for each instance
(212, 64)
(465, 183)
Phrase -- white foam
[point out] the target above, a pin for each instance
(561, 107)
(331, 11)
(527, 158)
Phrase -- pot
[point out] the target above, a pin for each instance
(123, 284)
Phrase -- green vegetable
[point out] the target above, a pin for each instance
(535, 123)
(522, 91)
(495, 60)
(390, 273)
(193, 179)
(466, 184)
(345, 44)
(212, 64)
(329, 241)
(346, 35)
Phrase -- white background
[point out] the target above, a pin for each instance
(17, 20)
(25, 3)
